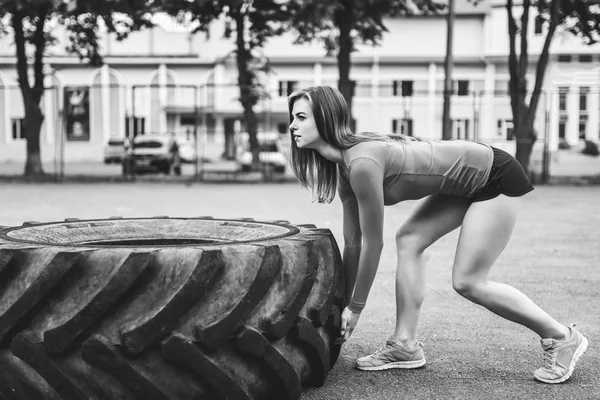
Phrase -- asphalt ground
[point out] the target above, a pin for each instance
(553, 257)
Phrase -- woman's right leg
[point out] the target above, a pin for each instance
(433, 218)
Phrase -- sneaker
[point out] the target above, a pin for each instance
(392, 355)
(560, 357)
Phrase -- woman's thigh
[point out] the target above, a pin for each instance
(432, 218)
(485, 232)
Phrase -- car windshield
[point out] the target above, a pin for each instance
(148, 145)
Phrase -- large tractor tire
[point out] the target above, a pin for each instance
(167, 308)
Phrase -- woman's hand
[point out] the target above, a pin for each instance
(349, 321)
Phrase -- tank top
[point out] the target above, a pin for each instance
(415, 169)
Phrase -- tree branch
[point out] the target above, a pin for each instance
(543, 61)
(39, 40)
(512, 62)
(17, 23)
(524, 56)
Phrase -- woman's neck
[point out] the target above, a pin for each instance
(331, 153)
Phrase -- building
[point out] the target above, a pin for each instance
(167, 79)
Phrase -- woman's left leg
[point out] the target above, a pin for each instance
(485, 232)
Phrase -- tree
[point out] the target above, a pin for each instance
(28, 21)
(255, 22)
(581, 17)
(448, 66)
(340, 24)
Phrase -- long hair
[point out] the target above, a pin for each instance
(332, 119)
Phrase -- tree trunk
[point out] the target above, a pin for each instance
(33, 124)
(523, 153)
(248, 96)
(344, 20)
(448, 64)
(523, 113)
(31, 95)
(524, 135)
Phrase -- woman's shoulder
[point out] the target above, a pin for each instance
(368, 146)
(371, 149)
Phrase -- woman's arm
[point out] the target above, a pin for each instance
(366, 179)
(352, 244)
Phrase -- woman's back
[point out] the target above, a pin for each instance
(415, 169)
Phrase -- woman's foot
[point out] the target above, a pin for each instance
(560, 357)
(393, 355)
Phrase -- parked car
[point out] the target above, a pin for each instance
(155, 153)
(114, 151)
(271, 153)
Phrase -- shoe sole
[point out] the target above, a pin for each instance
(395, 365)
(578, 353)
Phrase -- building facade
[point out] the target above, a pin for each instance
(167, 79)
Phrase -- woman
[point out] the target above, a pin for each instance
(463, 184)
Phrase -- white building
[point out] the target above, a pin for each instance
(157, 80)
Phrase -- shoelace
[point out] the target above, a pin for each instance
(379, 350)
(549, 355)
(382, 348)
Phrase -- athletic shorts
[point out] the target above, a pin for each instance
(506, 177)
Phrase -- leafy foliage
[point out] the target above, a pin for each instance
(580, 17)
(255, 21)
(30, 22)
(82, 19)
(320, 20)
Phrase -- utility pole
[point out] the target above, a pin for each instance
(448, 63)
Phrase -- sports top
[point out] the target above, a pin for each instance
(415, 169)
(410, 170)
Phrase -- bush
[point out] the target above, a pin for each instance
(563, 145)
(590, 149)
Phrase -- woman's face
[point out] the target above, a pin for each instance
(303, 127)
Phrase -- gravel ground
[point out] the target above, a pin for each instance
(554, 257)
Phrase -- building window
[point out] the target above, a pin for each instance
(564, 58)
(506, 129)
(362, 89)
(501, 87)
(287, 87)
(562, 98)
(18, 128)
(583, 95)
(585, 58)
(228, 29)
(460, 129)
(562, 127)
(135, 126)
(539, 24)
(582, 126)
(406, 88)
(463, 88)
(403, 126)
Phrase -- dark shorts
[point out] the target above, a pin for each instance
(506, 177)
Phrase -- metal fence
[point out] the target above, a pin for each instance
(208, 120)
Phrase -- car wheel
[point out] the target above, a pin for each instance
(167, 308)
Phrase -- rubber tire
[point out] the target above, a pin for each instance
(246, 319)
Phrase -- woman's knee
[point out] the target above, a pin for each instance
(467, 287)
(409, 242)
